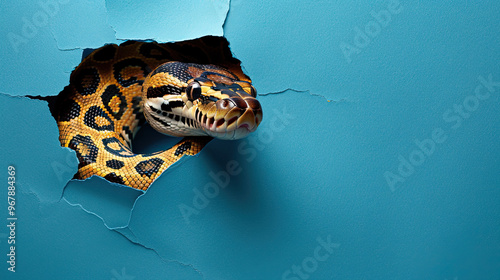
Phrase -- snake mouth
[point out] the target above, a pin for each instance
(234, 124)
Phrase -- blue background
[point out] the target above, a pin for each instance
(335, 125)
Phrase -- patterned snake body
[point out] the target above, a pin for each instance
(181, 89)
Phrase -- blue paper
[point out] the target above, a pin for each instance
(377, 157)
(31, 62)
(92, 32)
(166, 21)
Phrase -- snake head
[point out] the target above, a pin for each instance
(185, 99)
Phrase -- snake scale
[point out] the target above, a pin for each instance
(193, 89)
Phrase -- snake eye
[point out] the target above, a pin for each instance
(193, 91)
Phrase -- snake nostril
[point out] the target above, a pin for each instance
(225, 104)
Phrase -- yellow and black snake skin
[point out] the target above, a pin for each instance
(193, 88)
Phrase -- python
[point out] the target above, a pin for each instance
(192, 89)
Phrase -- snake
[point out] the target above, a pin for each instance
(192, 89)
